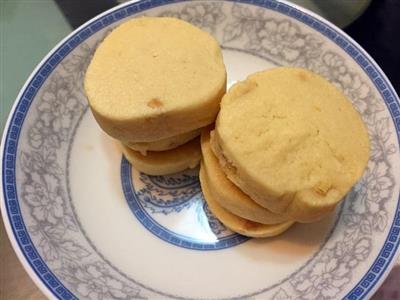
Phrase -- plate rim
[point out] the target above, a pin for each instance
(280, 6)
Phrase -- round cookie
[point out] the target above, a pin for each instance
(228, 195)
(165, 162)
(164, 144)
(236, 223)
(154, 78)
(291, 141)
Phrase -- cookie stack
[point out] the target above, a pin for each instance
(287, 147)
(153, 84)
(287, 144)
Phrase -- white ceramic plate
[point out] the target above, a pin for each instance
(87, 226)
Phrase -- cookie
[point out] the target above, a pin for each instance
(236, 223)
(155, 78)
(292, 141)
(228, 195)
(165, 162)
(164, 144)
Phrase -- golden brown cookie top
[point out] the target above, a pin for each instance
(155, 69)
(286, 134)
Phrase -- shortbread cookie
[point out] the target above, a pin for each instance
(164, 144)
(165, 162)
(227, 194)
(236, 223)
(154, 78)
(290, 140)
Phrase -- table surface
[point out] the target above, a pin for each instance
(30, 28)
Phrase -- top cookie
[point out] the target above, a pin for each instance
(290, 140)
(154, 78)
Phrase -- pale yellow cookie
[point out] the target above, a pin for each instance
(292, 141)
(164, 144)
(228, 195)
(154, 78)
(234, 222)
(165, 162)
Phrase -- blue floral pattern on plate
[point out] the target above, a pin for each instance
(172, 194)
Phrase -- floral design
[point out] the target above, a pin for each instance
(55, 245)
(161, 205)
(281, 295)
(42, 190)
(179, 180)
(43, 195)
(167, 194)
(332, 271)
(77, 64)
(325, 280)
(204, 15)
(280, 39)
(381, 146)
(58, 104)
(93, 281)
(215, 225)
(334, 68)
(374, 189)
(78, 61)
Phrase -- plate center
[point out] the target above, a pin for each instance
(172, 207)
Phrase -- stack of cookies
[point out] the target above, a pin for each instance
(287, 147)
(287, 144)
(153, 84)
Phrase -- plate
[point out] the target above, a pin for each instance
(86, 225)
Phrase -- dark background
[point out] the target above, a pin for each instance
(378, 32)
